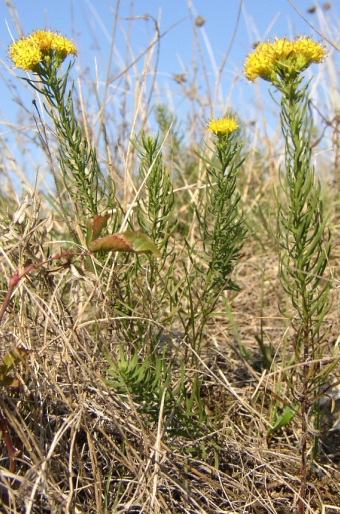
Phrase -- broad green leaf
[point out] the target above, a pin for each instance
(11, 359)
(128, 241)
(8, 381)
(287, 414)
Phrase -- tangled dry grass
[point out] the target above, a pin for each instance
(84, 448)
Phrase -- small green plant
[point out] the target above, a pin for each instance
(155, 211)
(221, 226)
(148, 383)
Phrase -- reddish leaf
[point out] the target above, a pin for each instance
(128, 241)
(95, 227)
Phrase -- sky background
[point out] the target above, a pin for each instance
(230, 29)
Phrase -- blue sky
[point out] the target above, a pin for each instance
(230, 28)
(231, 25)
(90, 22)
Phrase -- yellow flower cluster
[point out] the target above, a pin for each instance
(222, 125)
(40, 45)
(282, 56)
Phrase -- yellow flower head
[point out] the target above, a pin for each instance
(283, 57)
(222, 125)
(308, 51)
(52, 41)
(24, 54)
(39, 46)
